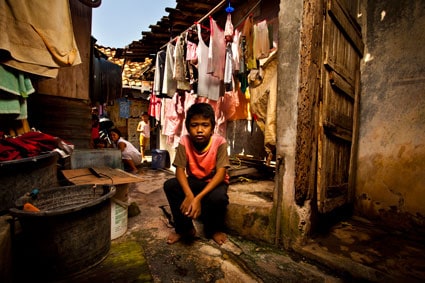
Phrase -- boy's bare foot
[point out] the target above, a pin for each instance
(219, 237)
(174, 237)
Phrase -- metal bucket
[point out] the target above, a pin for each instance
(70, 233)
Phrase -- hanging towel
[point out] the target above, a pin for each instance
(15, 88)
(38, 35)
(15, 82)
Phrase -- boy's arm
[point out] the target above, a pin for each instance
(194, 208)
(215, 181)
(182, 178)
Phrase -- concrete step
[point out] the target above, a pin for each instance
(249, 213)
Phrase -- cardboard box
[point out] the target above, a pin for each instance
(100, 175)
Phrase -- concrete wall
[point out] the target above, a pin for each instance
(288, 214)
(390, 181)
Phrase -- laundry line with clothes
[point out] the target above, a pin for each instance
(233, 69)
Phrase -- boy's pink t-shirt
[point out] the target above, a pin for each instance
(202, 165)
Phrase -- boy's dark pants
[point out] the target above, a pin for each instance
(213, 206)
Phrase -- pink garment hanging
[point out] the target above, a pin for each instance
(217, 51)
(173, 115)
(191, 51)
(190, 99)
(155, 107)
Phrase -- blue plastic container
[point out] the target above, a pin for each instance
(160, 159)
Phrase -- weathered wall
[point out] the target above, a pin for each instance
(291, 219)
(391, 157)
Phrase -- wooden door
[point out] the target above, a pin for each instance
(338, 104)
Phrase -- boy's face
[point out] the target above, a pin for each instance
(200, 130)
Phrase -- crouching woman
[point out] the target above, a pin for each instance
(131, 157)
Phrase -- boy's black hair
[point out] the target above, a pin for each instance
(203, 109)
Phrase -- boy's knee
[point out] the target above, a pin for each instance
(219, 199)
(170, 184)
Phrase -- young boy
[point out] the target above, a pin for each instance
(144, 129)
(200, 186)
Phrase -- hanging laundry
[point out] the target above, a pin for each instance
(192, 60)
(15, 82)
(159, 72)
(229, 64)
(37, 43)
(235, 104)
(169, 86)
(228, 28)
(263, 91)
(236, 50)
(155, 107)
(191, 46)
(15, 87)
(190, 99)
(261, 46)
(248, 35)
(180, 64)
(228, 68)
(216, 51)
(208, 85)
(173, 113)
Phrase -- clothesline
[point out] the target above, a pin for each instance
(218, 6)
(209, 14)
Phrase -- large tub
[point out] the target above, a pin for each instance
(23, 175)
(70, 233)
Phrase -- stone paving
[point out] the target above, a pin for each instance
(202, 260)
(142, 255)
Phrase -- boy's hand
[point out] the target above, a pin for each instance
(191, 207)
(195, 209)
(185, 207)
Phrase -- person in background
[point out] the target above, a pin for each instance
(130, 155)
(144, 129)
(200, 186)
(95, 126)
(100, 143)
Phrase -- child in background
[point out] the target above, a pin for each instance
(144, 129)
(130, 155)
(200, 186)
(95, 126)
